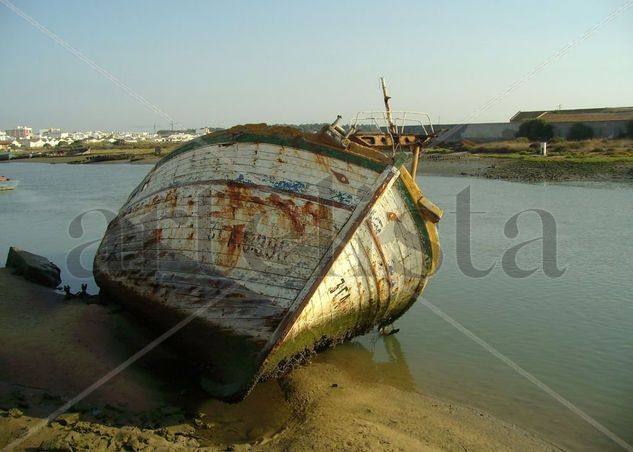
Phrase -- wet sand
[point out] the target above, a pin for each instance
(54, 348)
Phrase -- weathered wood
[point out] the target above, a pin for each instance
(290, 243)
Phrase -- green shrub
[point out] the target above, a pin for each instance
(536, 130)
(437, 150)
(580, 131)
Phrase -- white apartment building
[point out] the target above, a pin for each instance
(56, 134)
(20, 132)
(32, 143)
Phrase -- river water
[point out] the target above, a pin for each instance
(541, 350)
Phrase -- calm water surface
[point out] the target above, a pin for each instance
(574, 333)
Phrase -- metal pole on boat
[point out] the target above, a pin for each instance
(392, 126)
(414, 162)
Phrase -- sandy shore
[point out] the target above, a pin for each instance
(54, 348)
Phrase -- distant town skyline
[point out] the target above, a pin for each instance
(218, 64)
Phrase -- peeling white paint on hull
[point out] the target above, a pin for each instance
(292, 242)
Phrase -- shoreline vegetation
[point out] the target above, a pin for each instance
(518, 160)
(515, 160)
(157, 402)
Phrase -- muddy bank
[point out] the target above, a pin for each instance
(543, 170)
(463, 166)
(528, 170)
(54, 348)
(514, 169)
(92, 159)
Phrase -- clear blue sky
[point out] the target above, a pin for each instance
(219, 63)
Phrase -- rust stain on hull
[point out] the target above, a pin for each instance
(290, 210)
(234, 246)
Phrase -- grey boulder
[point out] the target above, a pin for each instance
(35, 268)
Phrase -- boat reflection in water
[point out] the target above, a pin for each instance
(363, 364)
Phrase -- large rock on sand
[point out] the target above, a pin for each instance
(35, 268)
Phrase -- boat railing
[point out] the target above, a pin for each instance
(405, 122)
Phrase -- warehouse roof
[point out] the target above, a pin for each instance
(578, 115)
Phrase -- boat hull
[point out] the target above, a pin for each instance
(8, 185)
(256, 246)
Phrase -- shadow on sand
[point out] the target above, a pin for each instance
(55, 348)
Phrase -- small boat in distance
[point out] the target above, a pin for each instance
(7, 183)
(256, 246)
(5, 155)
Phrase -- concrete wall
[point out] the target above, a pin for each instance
(601, 129)
(495, 131)
(491, 131)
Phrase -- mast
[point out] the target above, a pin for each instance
(392, 134)
(393, 130)
(392, 127)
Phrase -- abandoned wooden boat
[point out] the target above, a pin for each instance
(259, 245)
